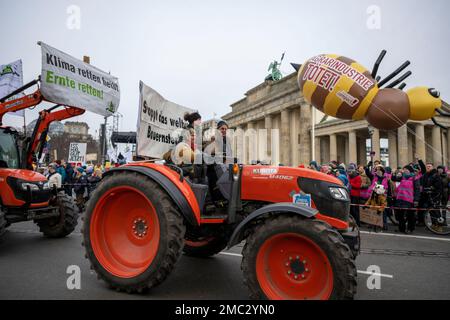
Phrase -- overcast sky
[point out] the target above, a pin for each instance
(207, 54)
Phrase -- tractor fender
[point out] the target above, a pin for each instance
(191, 215)
(275, 208)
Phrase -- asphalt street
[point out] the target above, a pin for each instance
(33, 267)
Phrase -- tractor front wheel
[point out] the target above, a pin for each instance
(65, 223)
(3, 224)
(288, 257)
(133, 232)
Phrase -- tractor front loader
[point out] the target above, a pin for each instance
(25, 194)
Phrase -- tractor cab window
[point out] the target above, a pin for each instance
(9, 153)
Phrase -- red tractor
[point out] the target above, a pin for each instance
(143, 215)
(25, 194)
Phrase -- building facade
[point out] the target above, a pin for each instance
(279, 105)
(77, 129)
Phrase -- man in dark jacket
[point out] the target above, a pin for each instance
(80, 188)
(69, 179)
(445, 181)
(431, 189)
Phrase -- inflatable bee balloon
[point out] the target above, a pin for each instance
(342, 88)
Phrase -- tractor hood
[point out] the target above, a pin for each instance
(283, 184)
(278, 184)
(22, 174)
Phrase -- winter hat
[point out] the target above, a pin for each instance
(52, 165)
(80, 169)
(410, 168)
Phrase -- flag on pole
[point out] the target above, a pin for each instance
(11, 78)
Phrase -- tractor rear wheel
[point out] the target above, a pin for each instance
(204, 247)
(288, 257)
(65, 223)
(133, 232)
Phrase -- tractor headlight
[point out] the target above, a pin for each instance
(339, 193)
(33, 187)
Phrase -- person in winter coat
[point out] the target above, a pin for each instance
(431, 189)
(313, 165)
(93, 180)
(380, 178)
(407, 194)
(325, 169)
(54, 178)
(365, 184)
(378, 199)
(355, 193)
(69, 179)
(60, 169)
(388, 172)
(341, 175)
(445, 181)
(80, 188)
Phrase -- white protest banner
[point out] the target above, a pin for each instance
(11, 78)
(112, 154)
(77, 153)
(71, 82)
(128, 156)
(158, 120)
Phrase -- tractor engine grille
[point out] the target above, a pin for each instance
(29, 196)
(325, 203)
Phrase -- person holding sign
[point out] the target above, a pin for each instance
(185, 152)
(378, 199)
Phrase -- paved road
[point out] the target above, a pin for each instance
(33, 267)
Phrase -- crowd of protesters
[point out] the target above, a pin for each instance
(406, 192)
(78, 182)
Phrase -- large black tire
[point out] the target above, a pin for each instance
(63, 225)
(171, 231)
(353, 225)
(3, 224)
(321, 234)
(204, 247)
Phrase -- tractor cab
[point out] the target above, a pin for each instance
(9, 149)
